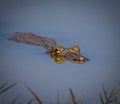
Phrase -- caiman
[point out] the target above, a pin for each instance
(59, 53)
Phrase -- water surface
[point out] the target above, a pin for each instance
(94, 26)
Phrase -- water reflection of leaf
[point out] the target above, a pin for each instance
(15, 99)
(60, 99)
(109, 97)
(5, 87)
(2, 86)
(72, 96)
(36, 97)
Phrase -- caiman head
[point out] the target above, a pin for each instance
(61, 54)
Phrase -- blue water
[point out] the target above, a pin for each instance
(94, 26)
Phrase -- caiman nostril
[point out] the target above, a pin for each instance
(87, 59)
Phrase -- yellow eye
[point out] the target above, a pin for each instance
(59, 50)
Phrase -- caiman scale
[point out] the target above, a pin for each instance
(59, 53)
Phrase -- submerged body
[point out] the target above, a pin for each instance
(59, 53)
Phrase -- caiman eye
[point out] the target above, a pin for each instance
(58, 52)
(76, 48)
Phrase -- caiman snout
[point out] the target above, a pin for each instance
(82, 60)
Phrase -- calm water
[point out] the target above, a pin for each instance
(94, 26)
